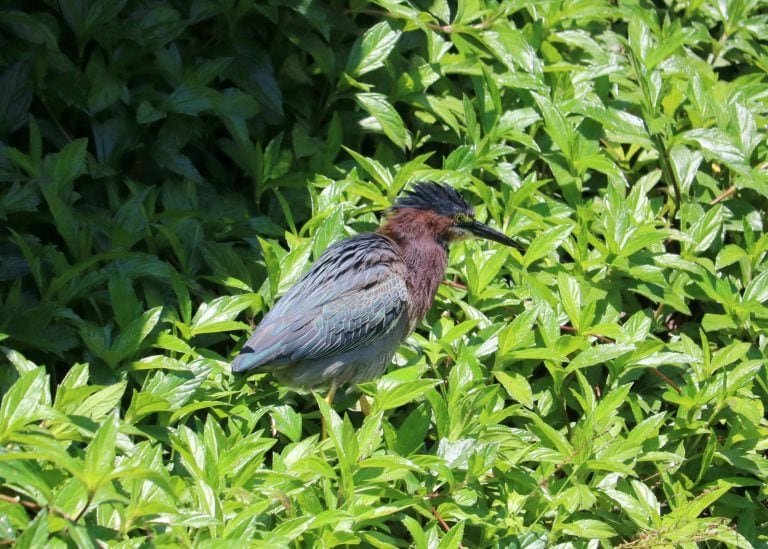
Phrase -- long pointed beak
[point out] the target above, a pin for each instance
(484, 231)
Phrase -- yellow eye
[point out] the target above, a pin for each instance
(462, 218)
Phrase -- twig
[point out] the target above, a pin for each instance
(666, 380)
(447, 29)
(17, 500)
(600, 338)
(82, 512)
(440, 519)
(454, 284)
(56, 121)
(728, 192)
(32, 506)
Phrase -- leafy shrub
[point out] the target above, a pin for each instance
(168, 168)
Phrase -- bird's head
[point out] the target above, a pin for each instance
(447, 212)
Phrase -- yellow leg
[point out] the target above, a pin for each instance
(328, 399)
(331, 393)
(365, 406)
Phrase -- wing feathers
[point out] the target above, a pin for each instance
(352, 296)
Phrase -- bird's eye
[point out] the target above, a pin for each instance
(461, 218)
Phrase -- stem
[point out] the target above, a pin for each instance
(35, 507)
(85, 507)
(440, 519)
(666, 380)
(728, 192)
(648, 108)
(454, 284)
(17, 500)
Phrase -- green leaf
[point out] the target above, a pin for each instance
(715, 144)
(97, 405)
(729, 255)
(330, 230)
(551, 437)
(70, 162)
(177, 387)
(217, 315)
(36, 533)
(634, 509)
(556, 125)
(143, 404)
(129, 340)
(685, 164)
(706, 229)
(25, 402)
(411, 433)
(28, 27)
(546, 243)
(599, 354)
(388, 119)
(190, 100)
(392, 393)
(22, 160)
(589, 529)
(728, 355)
(536, 354)
(376, 170)
(698, 505)
(453, 537)
(712, 322)
(26, 478)
(147, 113)
(100, 454)
(64, 218)
(371, 50)
(570, 298)
(757, 289)
(124, 303)
(287, 421)
(491, 268)
(516, 386)
(335, 431)
(271, 262)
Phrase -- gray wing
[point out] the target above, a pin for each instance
(354, 295)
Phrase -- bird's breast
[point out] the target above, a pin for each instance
(425, 265)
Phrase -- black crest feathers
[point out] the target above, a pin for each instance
(441, 199)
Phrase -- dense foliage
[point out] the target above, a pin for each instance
(168, 168)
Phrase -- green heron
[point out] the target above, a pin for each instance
(344, 319)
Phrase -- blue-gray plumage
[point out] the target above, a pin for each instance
(344, 319)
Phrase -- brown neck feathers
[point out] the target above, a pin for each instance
(420, 234)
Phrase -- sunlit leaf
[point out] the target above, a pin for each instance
(373, 48)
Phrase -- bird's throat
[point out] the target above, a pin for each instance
(425, 263)
(418, 235)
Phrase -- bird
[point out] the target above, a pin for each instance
(342, 321)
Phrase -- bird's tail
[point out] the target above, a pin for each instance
(265, 347)
(247, 360)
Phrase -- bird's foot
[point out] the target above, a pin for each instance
(329, 400)
(365, 406)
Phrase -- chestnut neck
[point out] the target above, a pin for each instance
(420, 234)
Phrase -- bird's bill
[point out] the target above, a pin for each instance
(484, 231)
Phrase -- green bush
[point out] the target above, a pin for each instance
(168, 168)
